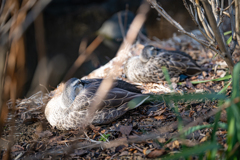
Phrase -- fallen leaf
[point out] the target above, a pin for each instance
(204, 139)
(161, 117)
(161, 140)
(124, 153)
(175, 144)
(78, 153)
(146, 151)
(45, 134)
(189, 84)
(191, 113)
(156, 153)
(125, 130)
(17, 148)
(120, 148)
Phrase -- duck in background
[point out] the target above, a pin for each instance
(147, 67)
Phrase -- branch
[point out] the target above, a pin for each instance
(202, 20)
(232, 19)
(237, 20)
(195, 19)
(222, 45)
(180, 28)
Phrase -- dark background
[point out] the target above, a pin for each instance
(67, 22)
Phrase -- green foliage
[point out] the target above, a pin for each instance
(227, 33)
(210, 149)
(104, 137)
(137, 101)
(227, 77)
(230, 38)
(197, 150)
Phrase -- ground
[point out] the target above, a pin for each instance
(145, 132)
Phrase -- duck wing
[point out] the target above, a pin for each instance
(116, 84)
(179, 63)
(120, 93)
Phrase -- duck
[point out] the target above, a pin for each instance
(147, 67)
(70, 102)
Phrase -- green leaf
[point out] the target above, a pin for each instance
(236, 114)
(199, 149)
(217, 79)
(195, 128)
(231, 130)
(235, 81)
(167, 77)
(104, 137)
(228, 32)
(229, 40)
(225, 88)
(186, 97)
(215, 126)
(134, 103)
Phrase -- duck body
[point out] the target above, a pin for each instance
(147, 67)
(69, 106)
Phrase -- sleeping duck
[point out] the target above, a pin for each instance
(147, 67)
(69, 106)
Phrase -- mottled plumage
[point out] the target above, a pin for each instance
(68, 107)
(147, 67)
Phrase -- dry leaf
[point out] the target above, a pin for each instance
(175, 144)
(191, 113)
(103, 131)
(204, 139)
(156, 153)
(17, 148)
(161, 117)
(146, 151)
(125, 130)
(161, 140)
(45, 134)
(120, 148)
(124, 153)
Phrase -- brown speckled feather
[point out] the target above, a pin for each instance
(148, 66)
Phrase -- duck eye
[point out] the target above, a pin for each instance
(77, 83)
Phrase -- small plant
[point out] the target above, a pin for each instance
(104, 137)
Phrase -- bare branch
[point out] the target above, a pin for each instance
(232, 19)
(195, 19)
(229, 5)
(180, 28)
(221, 12)
(222, 45)
(107, 83)
(204, 21)
(237, 20)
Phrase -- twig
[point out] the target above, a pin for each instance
(232, 19)
(195, 19)
(107, 83)
(222, 45)
(83, 56)
(229, 5)
(31, 16)
(180, 28)
(237, 20)
(221, 12)
(201, 17)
